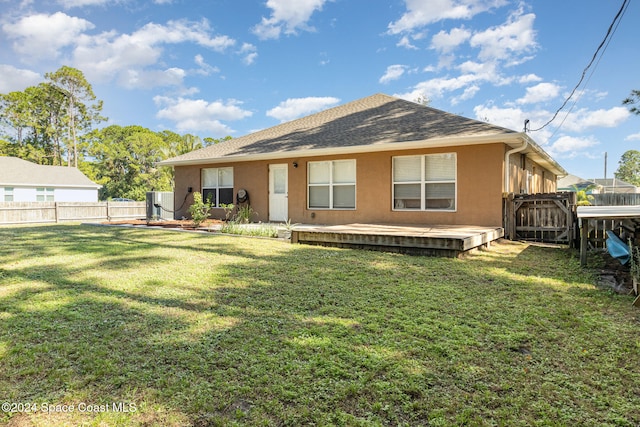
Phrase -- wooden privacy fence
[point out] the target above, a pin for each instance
(549, 218)
(41, 212)
(615, 199)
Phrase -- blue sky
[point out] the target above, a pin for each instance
(229, 67)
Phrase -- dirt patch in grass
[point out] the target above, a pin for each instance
(615, 276)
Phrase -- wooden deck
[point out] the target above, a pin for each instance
(434, 240)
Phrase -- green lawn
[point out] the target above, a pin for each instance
(138, 327)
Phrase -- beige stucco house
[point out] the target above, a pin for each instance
(379, 159)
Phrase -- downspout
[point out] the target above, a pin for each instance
(507, 163)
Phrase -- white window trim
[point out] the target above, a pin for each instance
(8, 192)
(331, 185)
(423, 183)
(218, 187)
(46, 193)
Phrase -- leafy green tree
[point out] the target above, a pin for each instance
(35, 117)
(14, 109)
(210, 141)
(629, 167)
(633, 100)
(124, 161)
(176, 145)
(77, 92)
(43, 123)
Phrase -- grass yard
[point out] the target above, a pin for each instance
(109, 326)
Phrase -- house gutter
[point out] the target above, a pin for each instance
(507, 162)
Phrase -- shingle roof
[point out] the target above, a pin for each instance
(373, 123)
(18, 172)
(569, 181)
(377, 119)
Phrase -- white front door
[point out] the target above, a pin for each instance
(278, 193)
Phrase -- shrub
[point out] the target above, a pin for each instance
(199, 209)
(244, 214)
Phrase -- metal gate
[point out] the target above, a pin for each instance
(549, 218)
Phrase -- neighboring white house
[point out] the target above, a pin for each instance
(23, 181)
(615, 185)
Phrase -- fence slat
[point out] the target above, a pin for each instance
(548, 217)
(46, 212)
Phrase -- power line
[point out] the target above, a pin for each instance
(603, 43)
(575, 102)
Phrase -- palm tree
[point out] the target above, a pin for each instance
(582, 196)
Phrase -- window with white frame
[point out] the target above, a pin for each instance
(8, 194)
(332, 184)
(425, 182)
(217, 186)
(44, 194)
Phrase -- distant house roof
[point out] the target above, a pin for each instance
(614, 183)
(571, 182)
(18, 172)
(375, 123)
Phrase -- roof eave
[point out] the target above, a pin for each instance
(512, 139)
(507, 138)
(30, 184)
(543, 158)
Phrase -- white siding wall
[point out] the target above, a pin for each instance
(28, 194)
(75, 195)
(24, 194)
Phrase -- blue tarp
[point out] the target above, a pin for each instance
(617, 248)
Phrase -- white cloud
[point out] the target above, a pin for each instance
(287, 16)
(584, 119)
(497, 47)
(514, 37)
(42, 36)
(435, 88)
(571, 146)
(293, 108)
(108, 55)
(566, 145)
(420, 13)
(509, 117)
(128, 59)
(394, 72)
(67, 4)
(540, 93)
(204, 68)
(473, 74)
(446, 42)
(406, 43)
(529, 78)
(633, 137)
(200, 115)
(485, 71)
(250, 53)
(181, 31)
(468, 93)
(16, 79)
(145, 79)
